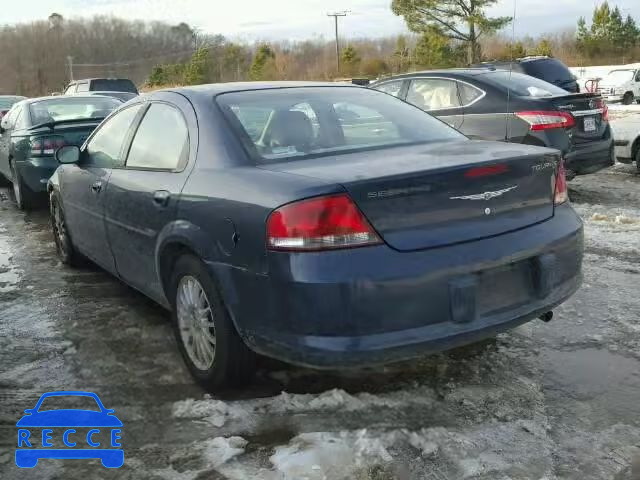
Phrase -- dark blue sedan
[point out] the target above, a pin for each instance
(323, 225)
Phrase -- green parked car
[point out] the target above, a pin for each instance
(32, 131)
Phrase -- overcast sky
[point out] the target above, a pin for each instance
(297, 19)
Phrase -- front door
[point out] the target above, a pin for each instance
(84, 186)
(142, 197)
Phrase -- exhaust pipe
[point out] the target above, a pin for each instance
(546, 317)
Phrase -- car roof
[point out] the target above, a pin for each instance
(213, 89)
(451, 72)
(99, 78)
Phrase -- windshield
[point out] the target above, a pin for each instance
(523, 85)
(71, 108)
(65, 402)
(7, 102)
(290, 123)
(616, 77)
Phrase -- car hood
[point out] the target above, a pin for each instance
(69, 418)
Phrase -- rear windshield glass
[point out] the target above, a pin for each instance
(291, 123)
(551, 70)
(107, 85)
(71, 108)
(523, 85)
(7, 102)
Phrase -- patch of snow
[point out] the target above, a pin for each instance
(617, 228)
(220, 450)
(215, 412)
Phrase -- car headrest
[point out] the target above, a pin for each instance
(291, 129)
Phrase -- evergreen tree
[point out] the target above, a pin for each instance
(263, 63)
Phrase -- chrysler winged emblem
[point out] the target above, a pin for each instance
(485, 195)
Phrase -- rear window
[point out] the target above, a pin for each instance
(551, 70)
(292, 123)
(71, 108)
(523, 85)
(113, 85)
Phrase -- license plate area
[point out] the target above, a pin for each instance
(589, 124)
(504, 288)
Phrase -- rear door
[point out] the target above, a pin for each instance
(83, 186)
(437, 96)
(143, 195)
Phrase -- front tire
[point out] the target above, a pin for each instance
(207, 339)
(25, 197)
(628, 98)
(64, 246)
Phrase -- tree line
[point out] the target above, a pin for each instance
(40, 57)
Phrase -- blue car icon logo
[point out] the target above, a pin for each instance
(69, 433)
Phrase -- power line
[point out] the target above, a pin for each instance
(335, 16)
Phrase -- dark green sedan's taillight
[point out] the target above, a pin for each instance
(48, 145)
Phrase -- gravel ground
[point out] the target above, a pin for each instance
(544, 401)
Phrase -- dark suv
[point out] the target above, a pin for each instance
(548, 69)
(490, 104)
(101, 85)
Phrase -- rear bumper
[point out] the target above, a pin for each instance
(36, 172)
(376, 305)
(590, 157)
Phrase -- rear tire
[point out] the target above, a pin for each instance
(213, 351)
(637, 158)
(24, 197)
(628, 98)
(64, 246)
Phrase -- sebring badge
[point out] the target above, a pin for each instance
(485, 195)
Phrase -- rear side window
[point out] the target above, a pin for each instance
(287, 123)
(106, 144)
(162, 140)
(113, 85)
(522, 85)
(551, 70)
(392, 88)
(433, 93)
(468, 93)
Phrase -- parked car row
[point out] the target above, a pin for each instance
(31, 130)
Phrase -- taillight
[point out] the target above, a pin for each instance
(544, 120)
(561, 194)
(46, 145)
(602, 106)
(319, 224)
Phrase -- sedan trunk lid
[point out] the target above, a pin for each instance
(428, 196)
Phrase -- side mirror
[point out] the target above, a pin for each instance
(68, 154)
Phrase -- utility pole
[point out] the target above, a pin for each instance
(70, 62)
(335, 16)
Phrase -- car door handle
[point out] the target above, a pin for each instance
(96, 187)
(161, 198)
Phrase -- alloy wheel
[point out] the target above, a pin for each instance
(196, 322)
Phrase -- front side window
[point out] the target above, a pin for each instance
(162, 140)
(392, 88)
(287, 123)
(70, 89)
(83, 87)
(105, 146)
(433, 94)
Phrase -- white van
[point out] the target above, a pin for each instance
(621, 85)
